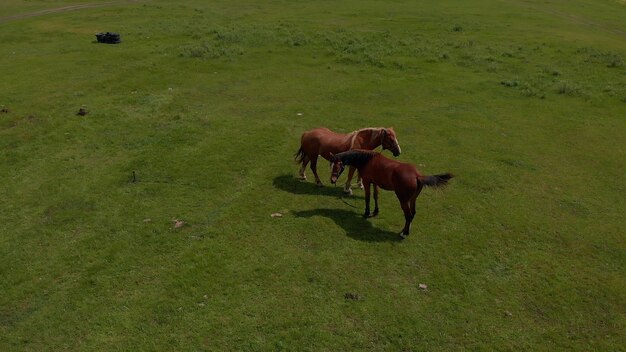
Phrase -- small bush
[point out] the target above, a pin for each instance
(513, 83)
(608, 90)
(568, 88)
(210, 50)
(551, 71)
(615, 61)
(492, 67)
(228, 35)
(529, 90)
(296, 39)
(374, 60)
(457, 28)
(464, 44)
(399, 66)
(608, 58)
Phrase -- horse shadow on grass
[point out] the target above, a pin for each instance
(353, 223)
(293, 185)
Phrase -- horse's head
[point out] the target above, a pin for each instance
(389, 141)
(336, 168)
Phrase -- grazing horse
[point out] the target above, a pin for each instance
(324, 142)
(388, 174)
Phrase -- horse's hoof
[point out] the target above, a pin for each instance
(347, 191)
(302, 177)
(361, 186)
(375, 213)
(403, 236)
(366, 215)
(319, 184)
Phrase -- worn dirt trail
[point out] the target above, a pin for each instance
(568, 16)
(64, 9)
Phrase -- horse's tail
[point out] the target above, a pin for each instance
(299, 156)
(435, 180)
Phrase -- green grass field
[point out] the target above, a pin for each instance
(523, 100)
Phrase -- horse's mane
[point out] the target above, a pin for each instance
(356, 157)
(354, 134)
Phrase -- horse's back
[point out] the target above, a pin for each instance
(318, 133)
(379, 170)
(391, 174)
(322, 141)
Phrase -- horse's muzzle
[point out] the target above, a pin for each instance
(396, 153)
(333, 179)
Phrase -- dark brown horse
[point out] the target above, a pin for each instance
(324, 142)
(388, 174)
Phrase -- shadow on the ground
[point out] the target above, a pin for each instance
(293, 185)
(353, 223)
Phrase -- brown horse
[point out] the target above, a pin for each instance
(391, 175)
(324, 142)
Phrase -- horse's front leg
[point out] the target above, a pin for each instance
(348, 187)
(375, 200)
(367, 200)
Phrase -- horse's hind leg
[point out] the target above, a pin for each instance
(414, 197)
(305, 161)
(314, 169)
(408, 217)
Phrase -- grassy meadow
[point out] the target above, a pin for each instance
(205, 101)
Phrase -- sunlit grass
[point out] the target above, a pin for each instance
(196, 116)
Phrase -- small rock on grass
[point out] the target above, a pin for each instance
(178, 223)
(276, 215)
(423, 286)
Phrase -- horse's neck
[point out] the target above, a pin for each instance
(366, 139)
(347, 141)
(357, 159)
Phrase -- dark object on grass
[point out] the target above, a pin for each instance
(82, 112)
(4, 110)
(352, 296)
(108, 38)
